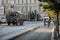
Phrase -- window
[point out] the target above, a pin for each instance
(16, 1)
(30, 8)
(26, 1)
(26, 8)
(2, 2)
(30, 1)
(6, 1)
(11, 1)
(22, 1)
(34, 1)
(22, 9)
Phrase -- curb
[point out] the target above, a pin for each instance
(31, 29)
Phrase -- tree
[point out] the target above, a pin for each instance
(54, 5)
(32, 15)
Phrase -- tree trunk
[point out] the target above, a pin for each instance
(57, 22)
(56, 29)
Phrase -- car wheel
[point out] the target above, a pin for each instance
(16, 24)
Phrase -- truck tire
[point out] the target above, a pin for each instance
(16, 24)
(13, 23)
(8, 23)
(21, 23)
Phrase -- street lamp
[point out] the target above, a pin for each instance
(27, 9)
(4, 9)
(35, 15)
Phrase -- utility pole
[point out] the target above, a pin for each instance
(35, 15)
(4, 9)
(27, 9)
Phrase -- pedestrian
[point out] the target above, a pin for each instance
(44, 22)
(49, 22)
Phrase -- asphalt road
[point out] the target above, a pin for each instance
(43, 33)
(38, 34)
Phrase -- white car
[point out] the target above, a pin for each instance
(46, 19)
(3, 18)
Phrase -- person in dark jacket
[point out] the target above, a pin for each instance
(49, 21)
(44, 22)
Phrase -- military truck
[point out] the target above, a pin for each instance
(15, 18)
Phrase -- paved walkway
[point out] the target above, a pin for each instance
(59, 33)
(7, 32)
(38, 34)
(53, 35)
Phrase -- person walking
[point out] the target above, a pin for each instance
(49, 22)
(44, 22)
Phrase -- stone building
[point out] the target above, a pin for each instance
(23, 6)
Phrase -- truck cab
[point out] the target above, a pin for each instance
(15, 18)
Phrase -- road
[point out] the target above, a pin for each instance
(38, 34)
(42, 33)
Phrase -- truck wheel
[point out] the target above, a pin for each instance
(13, 23)
(16, 24)
(8, 23)
(21, 23)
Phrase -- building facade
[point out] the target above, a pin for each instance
(24, 6)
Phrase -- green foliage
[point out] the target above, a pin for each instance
(54, 4)
(51, 13)
(32, 15)
(47, 6)
(54, 8)
(52, 1)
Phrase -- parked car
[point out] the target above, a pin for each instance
(45, 19)
(3, 19)
(15, 18)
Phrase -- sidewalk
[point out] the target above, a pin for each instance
(10, 32)
(52, 37)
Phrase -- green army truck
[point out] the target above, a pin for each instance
(15, 18)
